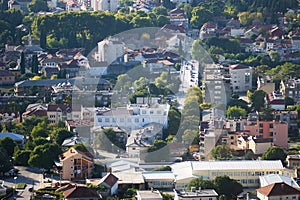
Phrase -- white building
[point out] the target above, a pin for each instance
(132, 117)
(245, 172)
(109, 5)
(207, 194)
(241, 78)
(109, 50)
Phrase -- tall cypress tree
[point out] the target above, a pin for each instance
(22, 63)
(34, 64)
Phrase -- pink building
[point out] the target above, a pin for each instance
(270, 129)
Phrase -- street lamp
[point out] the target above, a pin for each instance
(15, 178)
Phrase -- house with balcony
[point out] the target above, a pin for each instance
(76, 165)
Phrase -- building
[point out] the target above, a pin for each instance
(291, 88)
(277, 178)
(19, 139)
(241, 77)
(134, 116)
(109, 50)
(278, 191)
(6, 77)
(194, 194)
(265, 83)
(260, 145)
(109, 5)
(245, 172)
(81, 192)
(293, 161)
(136, 146)
(209, 29)
(76, 165)
(278, 131)
(110, 182)
(159, 179)
(148, 195)
(289, 117)
(276, 100)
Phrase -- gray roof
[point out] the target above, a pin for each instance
(41, 83)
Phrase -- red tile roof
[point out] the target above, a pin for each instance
(81, 192)
(278, 189)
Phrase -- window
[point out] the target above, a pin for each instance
(136, 120)
(144, 112)
(271, 133)
(271, 125)
(151, 112)
(106, 119)
(99, 119)
(261, 125)
(121, 119)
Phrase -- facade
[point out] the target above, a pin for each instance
(277, 191)
(109, 50)
(6, 77)
(76, 165)
(291, 88)
(293, 161)
(109, 181)
(159, 180)
(278, 131)
(136, 146)
(276, 100)
(134, 116)
(196, 194)
(241, 78)
(260, 145)
(245, 172)
(109, 5)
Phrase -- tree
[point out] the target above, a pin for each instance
(222, 152)
(235, 112)
(40, 130)
(160, 11)
(34, 64)
(22, 63)
(258, 100)
(37, 6)
(200, 15)
(5, 164)
(60, 134)
(9, 145)
(201, 183)
(228, 187)
(275, 153)
(22, 157)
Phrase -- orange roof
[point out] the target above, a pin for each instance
(278, 189)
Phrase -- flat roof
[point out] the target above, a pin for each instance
(154, 175)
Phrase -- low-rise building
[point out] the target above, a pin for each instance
(278, 191)
(277, 178)
(6, 77)
(148, 195)
(207, 194)
(81, 192)
(260, 145)
(291, 88)
(76, 165)
(110, 182)
(265, 83)
(159, 179)
(276, 100)
(293, 161)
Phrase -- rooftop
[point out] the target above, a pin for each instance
(278, 189)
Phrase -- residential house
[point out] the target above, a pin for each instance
(260, 145)
(71, 68)
(293, 161)
(81, 192)
(58, 113)
(6, 77)
(208, 29)
(9, 116)
(265, 83)
(276, 100)
(276, 32)
(241, 77)
(278, 191)
(246, 172)
(177, 16)
(270, 129)
(206, 194)
(291, 88)
(174, 28)
(76, 165)
(130, 180)
(70, 142)
(136, 146)
(148, 195)
(110, 182)
(277, 178)
(109, 5)
(295, 43)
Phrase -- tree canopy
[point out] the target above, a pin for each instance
(274, 153)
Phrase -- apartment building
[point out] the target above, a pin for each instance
(278, 131)
(76, 165)
(241, 77)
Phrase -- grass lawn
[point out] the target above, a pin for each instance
(21, 186)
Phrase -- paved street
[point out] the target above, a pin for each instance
(32, 177)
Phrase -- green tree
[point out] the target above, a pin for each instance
(22, 63)
(174, 117)
(201, 183)
(200, 15)
(60, 134)
(9, 145)
(258, 100)
(5, 164)
(228, 187)
(222, 152)
(37, 6)
(236, 112)
(40, 130)
(34, 64)
(274, 153)
(160, 11)
(22, 157)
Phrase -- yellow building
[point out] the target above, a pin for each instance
(246, 172)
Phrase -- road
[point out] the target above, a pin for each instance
(32, 177)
